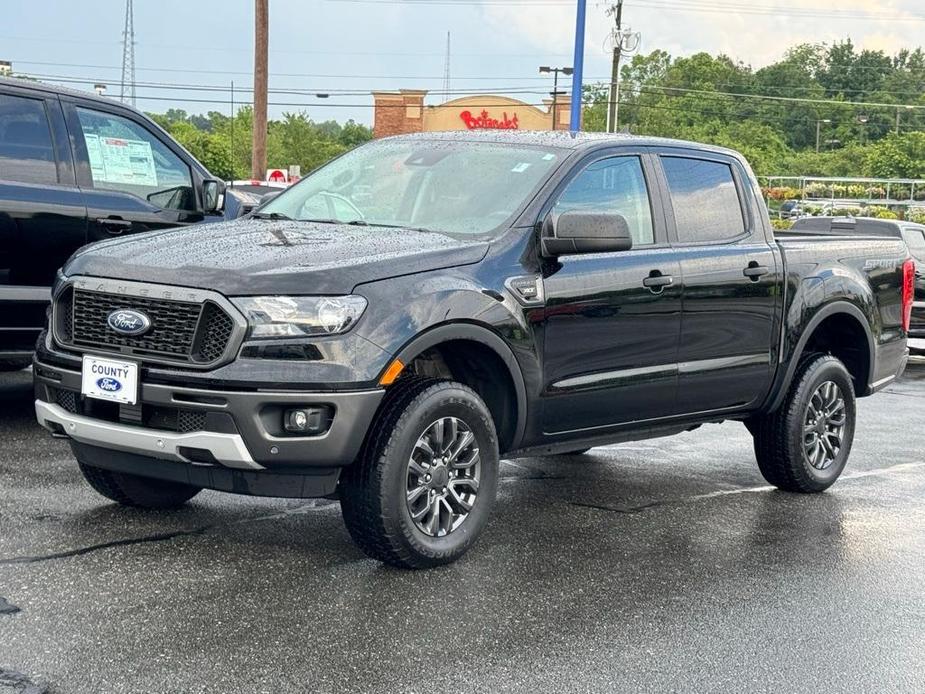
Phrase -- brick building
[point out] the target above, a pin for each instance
(404, 111)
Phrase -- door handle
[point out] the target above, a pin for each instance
(114, 225)
(754, 271)
(656, 281)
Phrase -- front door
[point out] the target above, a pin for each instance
(131, 180)
(612, 320)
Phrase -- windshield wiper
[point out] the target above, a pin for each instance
(364, 223)
(273, 215)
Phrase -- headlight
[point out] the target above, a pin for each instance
(298, 316)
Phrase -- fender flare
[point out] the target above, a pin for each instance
(483, 335)
(832, 309)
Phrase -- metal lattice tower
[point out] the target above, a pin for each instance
(128, 56)
(446, 70)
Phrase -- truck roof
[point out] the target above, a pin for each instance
(561, 139)
(58, 89)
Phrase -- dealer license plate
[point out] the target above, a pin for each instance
(110, 379)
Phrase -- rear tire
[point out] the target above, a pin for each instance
(804, 445)
(133, 490)
(7, 365)
(423, 487)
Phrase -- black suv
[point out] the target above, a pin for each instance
(77, 168)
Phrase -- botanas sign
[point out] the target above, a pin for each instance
(485, 121)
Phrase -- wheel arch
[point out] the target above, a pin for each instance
(835, 319)
(452, 341)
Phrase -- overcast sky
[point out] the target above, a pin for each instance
(325, 45)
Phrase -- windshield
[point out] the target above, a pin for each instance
(453, 187)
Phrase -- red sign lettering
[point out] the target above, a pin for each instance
(485, 122)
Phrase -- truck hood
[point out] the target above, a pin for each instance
(255, 256)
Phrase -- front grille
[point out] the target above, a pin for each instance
(217, 328)
(181, 331)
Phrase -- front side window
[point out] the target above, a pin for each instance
(704, 199)
(466, 188)
(613, 186)
(26, 152)
(127, 157)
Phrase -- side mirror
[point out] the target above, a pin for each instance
(585, 232)
(266, 198)
(212, 195)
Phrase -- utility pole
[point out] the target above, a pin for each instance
(446, 70)
(261, 41)
(617, 12)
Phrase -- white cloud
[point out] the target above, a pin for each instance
(757, 39)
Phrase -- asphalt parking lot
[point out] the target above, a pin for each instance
(656, 566)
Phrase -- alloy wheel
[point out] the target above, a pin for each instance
(443, 477)
(824, 425)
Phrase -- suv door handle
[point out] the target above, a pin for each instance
(754, 271)
(656, 281)
(114, 225)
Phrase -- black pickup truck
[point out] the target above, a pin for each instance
(76, 168)
(388, 328)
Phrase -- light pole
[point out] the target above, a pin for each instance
(819, 130)
(545, 70)
(908, 108)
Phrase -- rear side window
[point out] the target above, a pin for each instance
(704, 199)
(26, 152)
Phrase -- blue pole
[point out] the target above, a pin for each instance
(578, 65)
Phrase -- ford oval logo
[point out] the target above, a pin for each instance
(128, 322)
(110, 385)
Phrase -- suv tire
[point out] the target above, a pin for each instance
(804, 445)
(133, 490)
(422, 489)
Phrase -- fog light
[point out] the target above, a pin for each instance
(309, 421)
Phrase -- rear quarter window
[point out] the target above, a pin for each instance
(704, 198)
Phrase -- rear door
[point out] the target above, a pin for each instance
(132, 178)
(611, 332)
(42, 216)
(731, 282)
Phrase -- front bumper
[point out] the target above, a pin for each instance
(231, 428)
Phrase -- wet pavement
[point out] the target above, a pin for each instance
(657, 566)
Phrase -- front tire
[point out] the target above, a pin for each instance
(804, 445)
(133, 490)
(423, 488)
